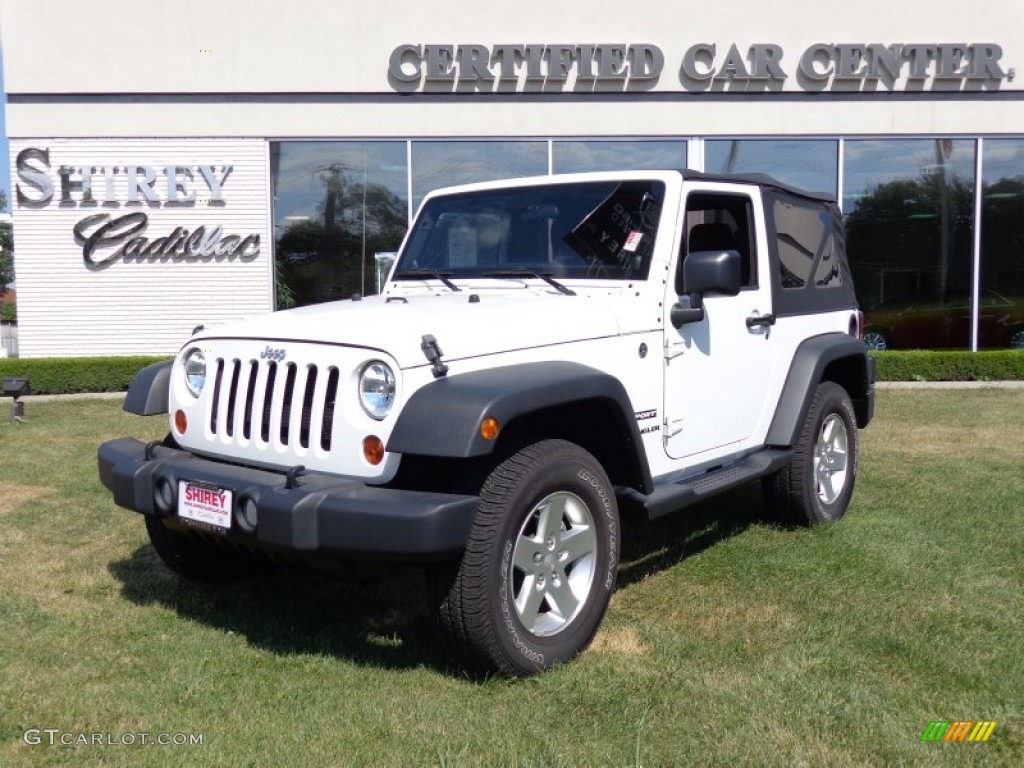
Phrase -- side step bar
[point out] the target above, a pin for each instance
(670, 495)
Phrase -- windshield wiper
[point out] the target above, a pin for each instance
(442, 276)
(547, 278)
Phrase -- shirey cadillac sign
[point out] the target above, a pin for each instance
(107, 237)
(700, 67)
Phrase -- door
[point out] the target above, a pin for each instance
(717, 369)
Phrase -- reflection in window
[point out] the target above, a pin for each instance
(909, 224)
(1001, 303)
(335, 206)
(804, 164)
(581, 156)
(437, 164)
(803, 237)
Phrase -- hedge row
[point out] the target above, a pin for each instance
(65, 375)
(924, 365)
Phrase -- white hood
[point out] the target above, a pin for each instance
(495, 323)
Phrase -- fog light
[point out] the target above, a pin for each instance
(247, 514)
(373, 449)
(489, 428)
(180, 422)
(163, 495)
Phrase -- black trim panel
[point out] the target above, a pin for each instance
(148, 392)
(443, 418)
(670, 496)
(809, 363)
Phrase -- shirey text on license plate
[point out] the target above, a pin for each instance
(204, 503)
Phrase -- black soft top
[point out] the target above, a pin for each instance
(759, 179)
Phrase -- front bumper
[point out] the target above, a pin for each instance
(320, 513)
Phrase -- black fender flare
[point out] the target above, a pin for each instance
(807, 370)
(148, 392)
(442, 419)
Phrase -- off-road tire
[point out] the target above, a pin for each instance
(816, 486)
(546, 530)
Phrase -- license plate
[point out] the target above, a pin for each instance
(205, 504)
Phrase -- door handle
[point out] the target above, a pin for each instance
(762, 321)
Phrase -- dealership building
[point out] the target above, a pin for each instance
(177, 163)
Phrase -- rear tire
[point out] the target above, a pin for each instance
(816, 486)
(540, 563)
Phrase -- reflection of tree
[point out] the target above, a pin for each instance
(1002, 232)
(919, 228)
(332, 257)
(6, 248)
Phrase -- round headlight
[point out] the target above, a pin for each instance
(195, 371)
(377, 389)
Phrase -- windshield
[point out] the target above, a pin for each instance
(597, 230)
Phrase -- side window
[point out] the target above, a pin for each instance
(717, 222)
(803, 235)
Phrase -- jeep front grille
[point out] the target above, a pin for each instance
(263, 389)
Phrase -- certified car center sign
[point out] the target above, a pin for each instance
(700, 66)
(108, 234)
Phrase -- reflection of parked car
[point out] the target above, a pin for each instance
(921, 322)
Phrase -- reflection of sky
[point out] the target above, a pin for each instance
(869, 164)
(302, 168)
(809, 165)
(444, 163)
(300, 182)
(579, 156)
(1002, 159)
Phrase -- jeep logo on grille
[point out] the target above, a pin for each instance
(272, 354)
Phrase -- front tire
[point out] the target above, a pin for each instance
(540, 564)
(817, 484)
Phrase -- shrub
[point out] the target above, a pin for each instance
(925, 365)
(66, 375)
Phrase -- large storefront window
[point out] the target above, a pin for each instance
(804, 164)
(581, 156)
(438, 164)
(909, 208)
(338, 207)
(1001, 299)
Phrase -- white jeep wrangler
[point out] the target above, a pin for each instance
(545, 352)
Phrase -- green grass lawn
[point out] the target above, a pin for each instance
(728, 642)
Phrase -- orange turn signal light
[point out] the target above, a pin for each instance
(180, 422)
(489, 428)
(373, 449)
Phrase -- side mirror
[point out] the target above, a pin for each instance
(706, 272)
